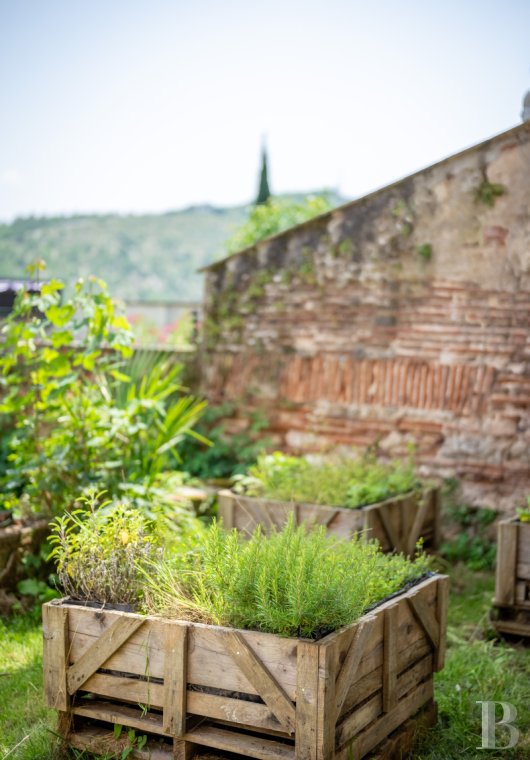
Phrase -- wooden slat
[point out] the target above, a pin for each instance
(441, 614)
(240, 711)
(523, 570)
(327, 668)
(242, 744)
(306, 701)
(348, 672)
(393, 536)
(419, 522)
(128, 689)
(55, 636)
(390, 658)
(125, 716)
(101, 650)
(175, 679)
(506, 562)
(263, 681)
(425, 616)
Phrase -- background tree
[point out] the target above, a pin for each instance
(264, 192)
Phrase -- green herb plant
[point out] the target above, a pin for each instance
(334, 481)
(293, 582)
(99, 550)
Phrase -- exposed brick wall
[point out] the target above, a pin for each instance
(346, 331)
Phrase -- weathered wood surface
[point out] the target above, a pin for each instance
(205, 686)
(396, 523)
(512, 579)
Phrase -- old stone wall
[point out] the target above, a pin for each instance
(403, 316)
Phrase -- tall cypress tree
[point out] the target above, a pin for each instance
(264, 192)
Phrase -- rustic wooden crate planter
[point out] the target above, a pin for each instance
(396, 523)
(190, 686)
(512, 583)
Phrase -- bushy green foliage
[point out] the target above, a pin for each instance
(79, 420)
(230, 453)
(274, 216)
(294, 582)
(336, 481)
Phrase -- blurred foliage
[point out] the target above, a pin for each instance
(274, 216)
(79, 420)
(231, 453)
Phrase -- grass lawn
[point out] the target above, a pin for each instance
(476, 669)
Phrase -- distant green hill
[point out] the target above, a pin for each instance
(148, 257)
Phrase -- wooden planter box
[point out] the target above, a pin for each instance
(17, 540)
(396, 523)
(188, 686)
(511, 613)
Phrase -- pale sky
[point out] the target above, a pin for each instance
(150, 105)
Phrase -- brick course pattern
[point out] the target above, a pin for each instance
(403, 316)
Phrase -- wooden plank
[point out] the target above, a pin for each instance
(419, 522)
(306, 701)
(506, 562)
(390, 658)
(261, 678)
(327, 669)
(175, 678)
(242, 744)
(240, 711)
(125, 716)
(392, 534)
(425, 617)
(127, 689)
(55, 640)
(441, 614)
(348, 672)
(99, 653)
(522, 571)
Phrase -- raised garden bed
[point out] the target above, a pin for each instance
(188, 686)
(397, 523)
(17, 540)
(511, 613)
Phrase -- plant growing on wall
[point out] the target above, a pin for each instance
(488, 192)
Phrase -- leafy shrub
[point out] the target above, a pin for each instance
(230, 453)
(295, 582)
(79, 421)
(336, 482)
(274, 216)
(99, 551)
